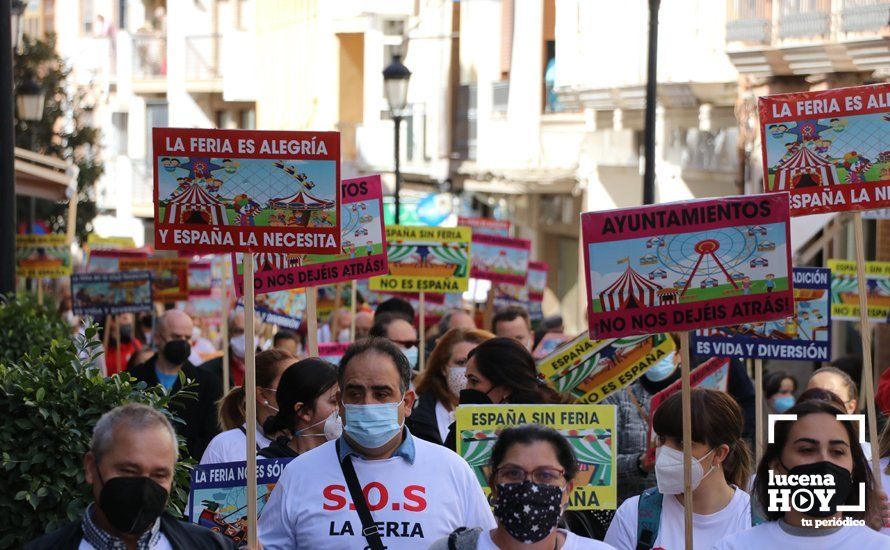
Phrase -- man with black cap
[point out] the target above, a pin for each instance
(172, 334)
(130, 466)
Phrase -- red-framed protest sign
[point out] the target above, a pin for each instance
(687, 265)
(500, 259)
(246, 191)
(829, 149)
(486, 226)
(363, 252)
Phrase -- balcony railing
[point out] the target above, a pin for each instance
(202, 55)
(464, 136)
(149, 56)
(762, 22)
(500, 96)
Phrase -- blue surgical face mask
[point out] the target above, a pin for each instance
(782, 404)
(663, 369)
(411, 354)
(372, 426)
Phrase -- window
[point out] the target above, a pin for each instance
(393, 35)
(155, 117)
(87, 16)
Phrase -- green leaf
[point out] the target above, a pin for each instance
(41, 393)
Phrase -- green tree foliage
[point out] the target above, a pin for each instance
(65, 131)
(50, 403)
(26, 327)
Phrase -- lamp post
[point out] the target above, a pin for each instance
(395, 85)
(651, 98)
(8, 40)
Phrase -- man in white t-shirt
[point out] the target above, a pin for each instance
(416, 492)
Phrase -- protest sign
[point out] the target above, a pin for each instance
(332, 352)
(99, 294)
(549, 343)
(485, 226)
(537, 280)
(246, 191)
(713, 374)
(285, 308)
(218, 495)
(879, 214)
(805, 336)
(363, 253)
(425, 259)
(108, 261)
(500, 259)
(170, 276)
(589, 429)
(845, 290)
(42, 256)
(591, 370)
(687, 265)
(204, 310)
(828, 148)
(200, 278)
(95, 242)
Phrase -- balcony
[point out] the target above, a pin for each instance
(787, 37)
(149, 63)
(202, 63)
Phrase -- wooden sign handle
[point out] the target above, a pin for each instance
(250, 398)
(422, 340)
(353, 308)
(686, 401)
(224, 333)
(758, 410)
(865, 333)
(312, 321)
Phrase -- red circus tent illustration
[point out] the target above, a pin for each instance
(631, 290)
(803, 165)
(195, 206)
(269, 261)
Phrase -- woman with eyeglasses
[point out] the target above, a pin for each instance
(308, 407)
(231, 445)
(532, 469)
(438, 387)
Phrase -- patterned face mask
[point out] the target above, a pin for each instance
(528, 511)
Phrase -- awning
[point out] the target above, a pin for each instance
(41, 176)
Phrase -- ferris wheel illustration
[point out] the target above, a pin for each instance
(710, 258)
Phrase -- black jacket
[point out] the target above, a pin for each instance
(182, 536)
(422, 422)
(279, 449)
(214, 367)
(199, 414)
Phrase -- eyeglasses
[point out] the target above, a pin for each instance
(544, 476)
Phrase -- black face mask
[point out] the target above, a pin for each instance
(843, 484)
(474, 397)
(126, 333)
(132, 504)
(528, 511)
(177, 351)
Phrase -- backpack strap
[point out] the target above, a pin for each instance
(369, 528)
(648, 518)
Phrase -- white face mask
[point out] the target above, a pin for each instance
(343, 336)
(669, 470)
(457, 379)
(333, 428)
(238, 345)
(411, 353)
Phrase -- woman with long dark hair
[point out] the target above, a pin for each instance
(307, 409)
(820, 447)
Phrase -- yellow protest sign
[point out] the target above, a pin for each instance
(589, 428)
(591, 370)
(96, 242)
(42, 256)
(845, 290)
(425, 259)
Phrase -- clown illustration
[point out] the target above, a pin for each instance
(246, 208)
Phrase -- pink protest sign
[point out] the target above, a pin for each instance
(687, 265)
(486, 226)
(500, 259)
(363, 253)
(829, 149)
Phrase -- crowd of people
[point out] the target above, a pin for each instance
(372, 441)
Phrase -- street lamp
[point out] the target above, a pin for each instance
(395, 85)
(29, 100)
(16, 9)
